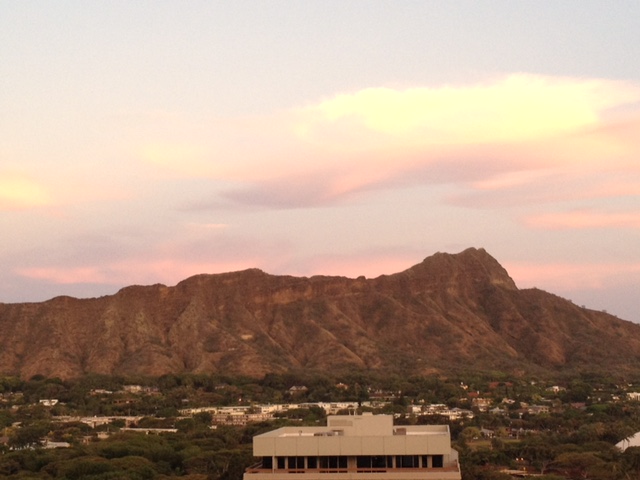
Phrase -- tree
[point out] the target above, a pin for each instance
(85, 467)
(28, 436)
(580, 465)
(539, 452)
(631, 463)
(470, 433)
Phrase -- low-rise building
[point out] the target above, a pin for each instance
(353, 447)
(481, 403)
(537, 409)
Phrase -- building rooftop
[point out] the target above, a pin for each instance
(359, 425)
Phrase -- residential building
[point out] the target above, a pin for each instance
(353, 447)
(537, 409)
(481, 403)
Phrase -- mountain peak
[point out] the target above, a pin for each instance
(447, 312)
(471, 266)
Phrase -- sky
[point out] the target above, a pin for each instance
(145, 142)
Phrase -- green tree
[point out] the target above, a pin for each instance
(85, 467)
(630, 461)
(28, 436)
(581, 465)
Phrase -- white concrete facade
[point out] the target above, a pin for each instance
(356, 447)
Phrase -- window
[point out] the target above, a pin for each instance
(407, 461)
(333, 462)
(267, 462)
(438, 461)
(366, 461)
(296, 462)
(382, 462)
(312, 462)
(281, 462)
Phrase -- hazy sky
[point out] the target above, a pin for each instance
(144, 142)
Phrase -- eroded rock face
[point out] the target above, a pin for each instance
(449, 311)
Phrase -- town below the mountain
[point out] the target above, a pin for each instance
(201, 426)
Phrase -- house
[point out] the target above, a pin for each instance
(414, 409)
(556, 389)
(632, 441)
(444, 411)
(353, 447)
(481, 403)
(298, 389)
(538, 409)
(132, 388)
(457, 413)
(50, 445)
(487, 433)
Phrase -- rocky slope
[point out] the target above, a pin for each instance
(450, 311)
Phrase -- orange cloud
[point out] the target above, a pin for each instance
(583, 219)
(18, 192)
(567, 276)
(65, 275)
(510, 180)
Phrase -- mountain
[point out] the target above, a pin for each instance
(450, 311)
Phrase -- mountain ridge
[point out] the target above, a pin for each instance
(449, 311)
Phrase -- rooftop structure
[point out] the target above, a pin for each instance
(355, 447)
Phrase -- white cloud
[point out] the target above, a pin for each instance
(491, 136)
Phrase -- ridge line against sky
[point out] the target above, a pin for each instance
(146, 142)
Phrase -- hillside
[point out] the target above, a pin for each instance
(449, 311)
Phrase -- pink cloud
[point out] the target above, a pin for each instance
(196, 249)
(370, 264)
(164, 270)
(206, 250)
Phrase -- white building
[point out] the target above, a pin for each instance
(356, 447)
(632, 441)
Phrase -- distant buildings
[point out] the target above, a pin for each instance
(441, 410)
(244, 414)
(353, 447)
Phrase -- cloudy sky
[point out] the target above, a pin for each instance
(144, 142)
